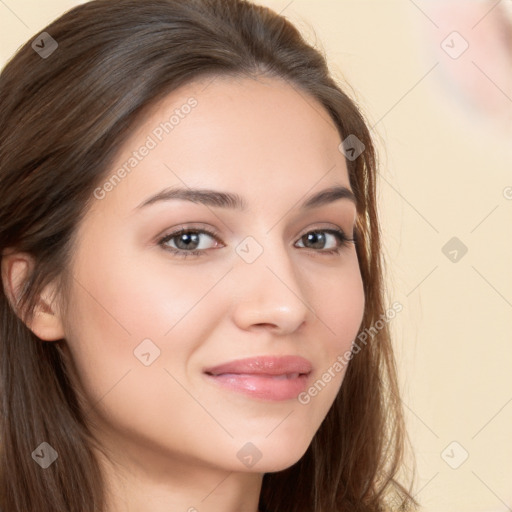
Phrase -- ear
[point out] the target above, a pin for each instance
(46, 322)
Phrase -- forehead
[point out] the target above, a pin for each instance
(263, 139)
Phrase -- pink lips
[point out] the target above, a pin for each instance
(264, 377)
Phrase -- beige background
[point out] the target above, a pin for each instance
(445, 169)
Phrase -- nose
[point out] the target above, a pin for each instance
(270, 293)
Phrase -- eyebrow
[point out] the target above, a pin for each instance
(220, 199)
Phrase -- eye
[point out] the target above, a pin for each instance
(187, 241)
(318, 237)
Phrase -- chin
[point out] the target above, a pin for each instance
(271, 455)
(276, 464)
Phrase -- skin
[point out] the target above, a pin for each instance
(174, 435)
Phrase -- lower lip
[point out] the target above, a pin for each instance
(265, 387)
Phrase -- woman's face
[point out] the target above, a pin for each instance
(143, 323)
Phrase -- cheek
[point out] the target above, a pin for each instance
(114, 310)
(125, 308)
(340, 305)
(130, 298)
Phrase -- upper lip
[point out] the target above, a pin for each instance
(268, 365)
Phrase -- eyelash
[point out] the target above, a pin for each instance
(338, 233)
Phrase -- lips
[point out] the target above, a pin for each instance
(282, 367)
(266, 378)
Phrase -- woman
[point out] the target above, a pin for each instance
(192, 307)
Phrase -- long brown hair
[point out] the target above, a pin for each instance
(63, 117)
